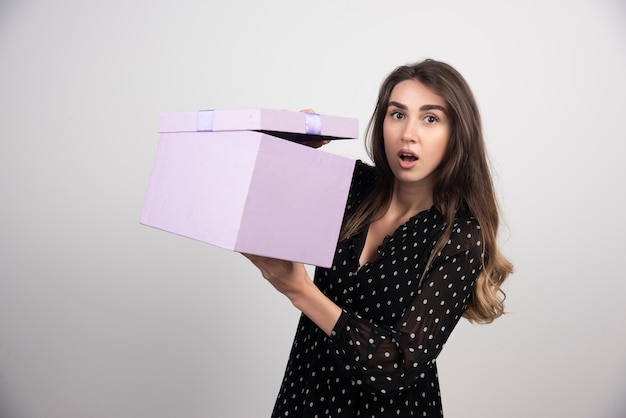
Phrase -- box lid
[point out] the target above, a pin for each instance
(290, 125)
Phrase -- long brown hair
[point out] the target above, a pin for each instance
(463, 179)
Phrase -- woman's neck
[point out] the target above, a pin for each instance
(408, 200)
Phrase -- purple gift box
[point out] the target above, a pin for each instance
(239, 180)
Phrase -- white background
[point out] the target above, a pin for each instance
(101, 317)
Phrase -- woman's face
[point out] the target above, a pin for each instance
(416, 130)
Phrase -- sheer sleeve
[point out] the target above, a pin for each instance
(389, 359)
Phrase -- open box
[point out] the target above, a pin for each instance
(248, 190)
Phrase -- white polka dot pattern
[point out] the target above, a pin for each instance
(380, 359)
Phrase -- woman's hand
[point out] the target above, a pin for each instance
(292, 280)
(286, 276)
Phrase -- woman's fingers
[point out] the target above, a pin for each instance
(316, 144)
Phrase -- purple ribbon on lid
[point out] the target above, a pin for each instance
(204, 123)
(313, 123)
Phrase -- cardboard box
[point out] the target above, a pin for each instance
(248, 191)
(299, 126)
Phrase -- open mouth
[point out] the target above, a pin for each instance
(408, 157)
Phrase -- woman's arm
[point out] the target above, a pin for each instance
(292, 280)
(389, 359)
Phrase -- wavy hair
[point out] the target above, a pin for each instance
(462, 180)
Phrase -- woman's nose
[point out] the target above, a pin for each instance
(410, 133)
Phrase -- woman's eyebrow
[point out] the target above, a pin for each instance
(398, 105)
(423, 108)
(434, 107)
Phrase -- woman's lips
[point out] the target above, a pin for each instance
(407, 159)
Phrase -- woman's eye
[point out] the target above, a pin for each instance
(431, 119)
(397, 115)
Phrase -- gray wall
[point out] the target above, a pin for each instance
(101, 317)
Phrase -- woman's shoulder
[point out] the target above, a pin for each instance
(363, 179)
(464, 219)
(364, 172)
(466, 232)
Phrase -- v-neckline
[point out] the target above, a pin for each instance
(385, 240)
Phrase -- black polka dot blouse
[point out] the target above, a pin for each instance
(380, 359)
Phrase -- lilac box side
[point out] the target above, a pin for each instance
(177, 122)
(296, 203)
(259, 119)
(340, 127)
(199, 184)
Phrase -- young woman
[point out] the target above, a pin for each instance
(417, 252)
